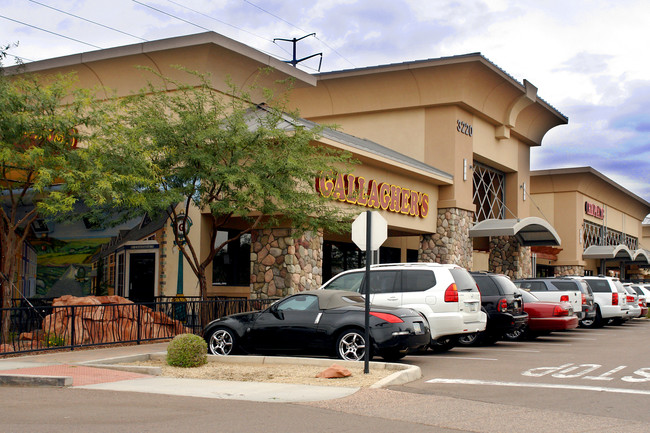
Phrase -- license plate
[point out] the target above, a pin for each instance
(471, 307)
(417, 327)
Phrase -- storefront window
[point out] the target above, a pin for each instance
(489, 192)
(343, 256)
(232, 264)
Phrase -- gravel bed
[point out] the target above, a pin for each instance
(276, 373)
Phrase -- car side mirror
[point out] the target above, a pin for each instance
(277, 312)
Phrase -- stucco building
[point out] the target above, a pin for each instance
(444, 146)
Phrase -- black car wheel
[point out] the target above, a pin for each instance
(470, 339)
(351, 346)
(516, 335)
(596, 322)
(222, 342)
(443, 344)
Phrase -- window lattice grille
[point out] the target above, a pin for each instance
(592, 234)
(489, 192)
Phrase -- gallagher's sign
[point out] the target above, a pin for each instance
(373, 194)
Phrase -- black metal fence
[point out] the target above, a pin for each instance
(39, 326)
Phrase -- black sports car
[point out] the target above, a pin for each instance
(325, 322)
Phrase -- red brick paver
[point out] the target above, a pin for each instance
(81, 375)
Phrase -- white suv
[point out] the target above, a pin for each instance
(610, 298)
(445, 294)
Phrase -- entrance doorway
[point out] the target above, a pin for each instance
(142, 277)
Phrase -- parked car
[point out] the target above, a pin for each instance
(445, 294)
(543, 318)
(563, 289)
(610, 298)
(320, 322)
(633, 302)
(644, 296)
(502, 302)
(555, 290)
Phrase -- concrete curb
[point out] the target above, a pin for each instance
(403, 373)
(32, 380)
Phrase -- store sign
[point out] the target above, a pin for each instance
(594, 210)
(373, 194)
(52, 137)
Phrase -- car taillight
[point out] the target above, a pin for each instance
(564, 298)
(584, 299)
(560, 311)
(502, 306)
(614, 298)
(630, 298)
(641, 304)
(451, 294)
(390, 318)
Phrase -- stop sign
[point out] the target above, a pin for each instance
(378, 230)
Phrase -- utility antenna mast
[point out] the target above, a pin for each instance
(295, 61)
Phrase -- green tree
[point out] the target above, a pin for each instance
(48, 162)
(229, 157)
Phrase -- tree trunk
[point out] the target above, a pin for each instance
(203, 287)
(7, 267)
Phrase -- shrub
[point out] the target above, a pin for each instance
(187, 350)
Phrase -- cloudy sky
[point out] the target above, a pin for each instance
(588, 58)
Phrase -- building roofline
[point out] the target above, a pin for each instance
(588, 170)
(441, 61)
(162, 45)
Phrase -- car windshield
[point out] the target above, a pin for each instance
(528, 297)
(507, 286)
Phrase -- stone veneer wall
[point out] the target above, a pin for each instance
(509, 257)
(451, 242)
(282, 265)
(561, 271)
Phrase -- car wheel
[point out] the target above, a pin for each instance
(515, 335)
(587, 323)
(222, 342)
(443, 344)
(351, 346)
(472, 339)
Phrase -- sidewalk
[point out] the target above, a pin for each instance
(75, 369)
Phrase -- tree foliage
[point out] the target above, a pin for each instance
(45, 160)
(227, 156)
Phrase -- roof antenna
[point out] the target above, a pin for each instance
(295, 61)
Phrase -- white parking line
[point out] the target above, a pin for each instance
(466, 357)
(580, 338)
(537, 385)
(503, 349)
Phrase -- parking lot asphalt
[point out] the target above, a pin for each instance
(91, 369)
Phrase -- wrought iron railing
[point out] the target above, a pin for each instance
(46, 327)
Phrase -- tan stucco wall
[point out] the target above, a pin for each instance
(561, 195)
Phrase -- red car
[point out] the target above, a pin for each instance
(544, 318)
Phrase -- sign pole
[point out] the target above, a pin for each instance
(366, 360)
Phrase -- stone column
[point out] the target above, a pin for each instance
(509, 257)
(282, 265)
(562, 271)
(451, 242)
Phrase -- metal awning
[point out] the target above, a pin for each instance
(529, 231)
(604, 252)
(641, 257)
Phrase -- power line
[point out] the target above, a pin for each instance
(196, 25)
(220, 21)
(171, 15)
(53, 33)
(87, 20)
